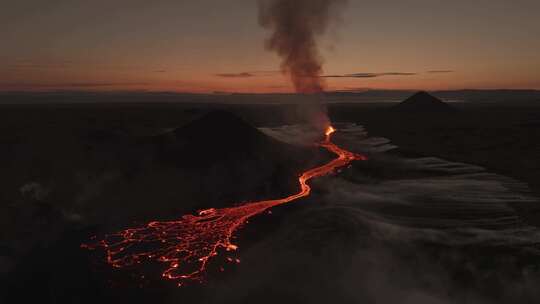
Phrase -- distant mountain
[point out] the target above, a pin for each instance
(221, 136)
(491, 96)
(488, 96)
(423, 102)
(215, 160)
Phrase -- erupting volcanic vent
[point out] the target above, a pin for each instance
(188, 245)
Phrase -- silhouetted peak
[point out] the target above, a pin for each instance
(219, 127)
(221, 135)
(423, 102)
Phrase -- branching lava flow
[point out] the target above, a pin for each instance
(187, 245)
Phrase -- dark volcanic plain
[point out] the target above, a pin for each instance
(502, 137)
(72, 170)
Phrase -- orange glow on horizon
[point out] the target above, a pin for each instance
(272, 82)
(251, 85)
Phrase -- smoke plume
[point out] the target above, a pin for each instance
(296, 26)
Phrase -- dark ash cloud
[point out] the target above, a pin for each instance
(370, 75)
(296, 27)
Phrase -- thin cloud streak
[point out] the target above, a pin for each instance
(236, 75)
(440, 71)
(247, 74)
(369, 75)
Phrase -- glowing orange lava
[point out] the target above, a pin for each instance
(187, 245)
(329, 131)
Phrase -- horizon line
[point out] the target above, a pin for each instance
(218, 93)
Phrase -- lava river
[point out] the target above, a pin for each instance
(187, 245)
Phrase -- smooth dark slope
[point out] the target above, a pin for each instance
(423, 102)
(220, 136)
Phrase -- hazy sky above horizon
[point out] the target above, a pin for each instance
(216, 45)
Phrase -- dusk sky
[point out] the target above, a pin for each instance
(217, 45)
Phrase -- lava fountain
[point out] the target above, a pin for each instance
(187, 246)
